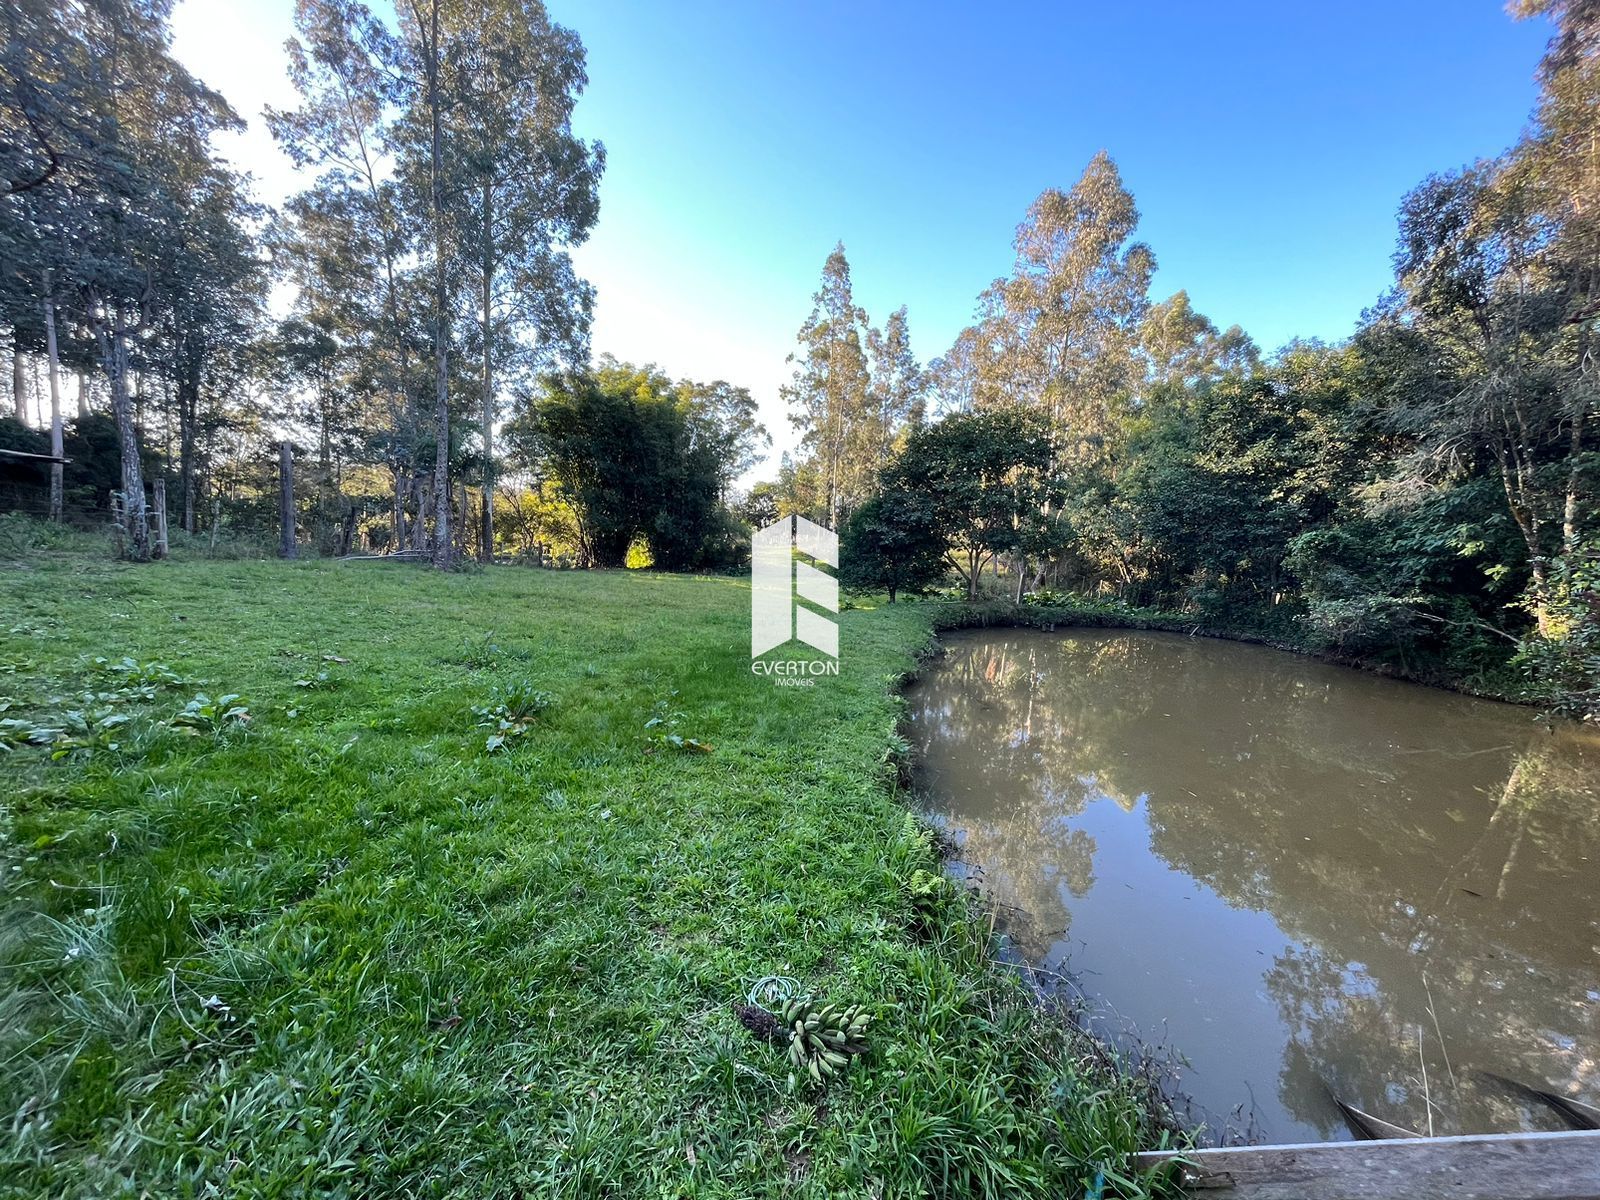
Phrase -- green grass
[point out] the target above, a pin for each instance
(345, 949)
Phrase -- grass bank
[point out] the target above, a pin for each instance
(343, 948)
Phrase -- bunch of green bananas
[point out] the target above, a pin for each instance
(823, 1037)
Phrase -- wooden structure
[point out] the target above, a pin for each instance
(1496, 1166)
(49, 458)
(416, 556)
(160, 506)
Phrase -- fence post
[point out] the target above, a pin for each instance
(161, 515)
(288, 549)
(118, 520)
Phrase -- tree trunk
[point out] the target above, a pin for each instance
(398, 518)
(327, 509)
(422, 486)
(486, 549)
(287, 546)
(442, 545)
(188, 414)
(1569, 515)
(160, 486)
(19, 390)
(57, 443)
(83, 395)
(347, 530)
(136, 520)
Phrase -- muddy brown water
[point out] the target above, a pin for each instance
(1298, 878)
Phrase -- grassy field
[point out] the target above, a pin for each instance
(342, 948)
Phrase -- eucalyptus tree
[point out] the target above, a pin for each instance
(528, 189)
(346, 241)
(1182, 346)
(1060, 332)
(954, 378)
(431, 176)
(899, 385)
(114, 132)
(830, 394)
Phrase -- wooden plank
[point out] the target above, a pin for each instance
(1498, 1166)
(50, 458)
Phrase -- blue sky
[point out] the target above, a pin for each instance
(1267, 143)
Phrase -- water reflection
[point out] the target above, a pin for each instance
(1306, 877)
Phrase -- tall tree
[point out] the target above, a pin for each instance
(1060, 331)
(1182, 346)
(1470, 344)
(830, 395)
(529, 190)
(899, 385)
(349, 245)
(1558, 162)
(115, 133)
(216, 309)
(426, 164)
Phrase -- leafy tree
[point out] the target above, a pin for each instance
(1470, 344)
(1182, 346)
(1060, 332)
(899, 384)
(830, 395)
(760, 506)
(893, 542)
(111, 144)
(215, 313)
(723, 426)
(431, 174)
(986, 479)
(345, 242)
(528, 190)
(636, 456)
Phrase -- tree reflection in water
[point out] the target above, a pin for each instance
(1310, 877)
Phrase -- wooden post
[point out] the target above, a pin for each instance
(19, 390)
(56, 443)
(117, 519)
(161, 515)
(287, 547)
(1496, 1166)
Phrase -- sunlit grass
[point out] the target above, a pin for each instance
(343, 947)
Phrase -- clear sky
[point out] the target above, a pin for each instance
(1267, 142)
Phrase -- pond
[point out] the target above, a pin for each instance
(1302, 879)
